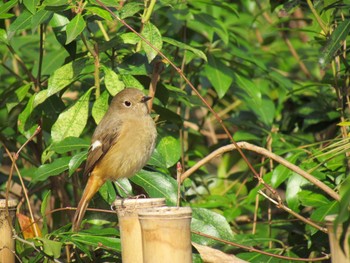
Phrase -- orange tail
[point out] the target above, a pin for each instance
(93, 185)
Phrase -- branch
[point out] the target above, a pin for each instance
(262, 151)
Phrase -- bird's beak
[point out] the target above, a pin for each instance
(145, 98)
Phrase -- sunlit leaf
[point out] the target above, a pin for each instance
(152, 34)
(58, 166)
(76, 161)
(65, 75)
(100, 107)
(211, 223)
(72, 121)
(170, 149)
(157, 184)
(69, 144)
(219, 75)
(75, 27)
(112, 81)
(294, 186)
(51, 247)
(98, 240)
(22, 22)
(31, 5)
(197, 52)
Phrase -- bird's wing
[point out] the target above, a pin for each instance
(102, 140)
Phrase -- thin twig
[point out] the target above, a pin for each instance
(14, 165)
(178, 179)
(290, 211)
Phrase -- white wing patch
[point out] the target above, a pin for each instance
(95, 145)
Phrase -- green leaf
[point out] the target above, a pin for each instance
(46, 170)
(294, 186)
(157, 184)
(309, 198)
(157, 159)
(130, 8)
(59, 21)
(321, 212)
(100, 12)
(3, 37)
(245, 136)
(51, 248)
(107, 191)
(197, 52)
(129, 38)
(52, 61)
(40, 97)
(96, 240)
(43, 208)
(152, 34)
(69, 144)
(30, 5)
(251, 93)
(343, 213)
(41, 17)
(131, 82)
(18, 96)
(55, 2)
(7, 6)
(76, 161)
(100, 107)
(335, 42)
(65, 75)
(24, 126)
(170, 149)
(22, 22)
(72, 121)
(112, 81)
(75, 27)
(282, 173)
(211, 223)
(219, 75)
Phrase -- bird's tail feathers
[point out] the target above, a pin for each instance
(93, 185)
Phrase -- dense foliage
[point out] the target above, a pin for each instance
(272, 73)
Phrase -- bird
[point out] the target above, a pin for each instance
(121, 145)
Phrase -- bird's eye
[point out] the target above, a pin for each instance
(127, 103)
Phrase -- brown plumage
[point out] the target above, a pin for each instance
(121, 145)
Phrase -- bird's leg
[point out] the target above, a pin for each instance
(127, 194)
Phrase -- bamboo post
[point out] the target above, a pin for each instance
(130, 230)
(337, 253)
(7, 243)
(166, 234)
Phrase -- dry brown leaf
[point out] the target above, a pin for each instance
(28, 227)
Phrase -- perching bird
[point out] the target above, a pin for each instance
(121, 145)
